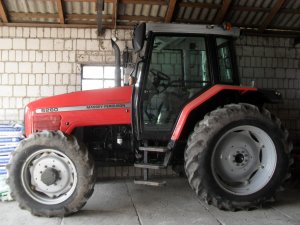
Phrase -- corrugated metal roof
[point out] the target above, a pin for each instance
(239, 14)
(142, 10)
(31, 6)
(244, 13)
(188, 12)
(286, 19)
(87, 8)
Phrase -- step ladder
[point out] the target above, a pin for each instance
(145, 165)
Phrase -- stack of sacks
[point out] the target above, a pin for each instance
(10, 136)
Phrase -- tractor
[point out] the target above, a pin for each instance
(185, 109)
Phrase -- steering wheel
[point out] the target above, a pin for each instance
(159, 76)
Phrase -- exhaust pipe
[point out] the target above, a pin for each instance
(118, 63)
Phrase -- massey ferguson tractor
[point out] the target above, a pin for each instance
(186, 107)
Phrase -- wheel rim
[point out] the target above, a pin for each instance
(49, 176)
(244, 160)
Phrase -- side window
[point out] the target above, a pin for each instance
(224, 60)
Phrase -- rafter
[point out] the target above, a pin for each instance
(85, 17)
(3, 12)
(271, 15)
(33, 15)
(115, 13)
(170, 12)
(141, 18)
(152, 2)
(100, 8)
(199, 5)
(80, 17)
(223, 11)
(249, 9)
(60, 10)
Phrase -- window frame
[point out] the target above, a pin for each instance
(102, 79)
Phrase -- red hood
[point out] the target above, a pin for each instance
(91, 97)
(84, 108)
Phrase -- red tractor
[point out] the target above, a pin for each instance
(186, 108)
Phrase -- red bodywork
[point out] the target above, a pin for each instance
(201, 99)
(101, 107)
(86, 108)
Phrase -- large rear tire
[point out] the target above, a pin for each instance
(51, 174)
(237, 157)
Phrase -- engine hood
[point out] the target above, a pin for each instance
(85, 98)
(83, 108)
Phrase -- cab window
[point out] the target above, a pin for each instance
(224, 60)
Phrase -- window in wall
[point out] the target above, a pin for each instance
(97, 77)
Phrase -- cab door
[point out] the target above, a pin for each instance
(174, 72)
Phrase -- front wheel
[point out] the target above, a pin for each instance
(51, 174)
(237, 157)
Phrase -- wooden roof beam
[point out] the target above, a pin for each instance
(100, 8)
(250, 9)
(199, 5)
(3, 12)
(152, 2)
(222, 12)
(115, 13)
(170, 12)
(60, 10)
(278, 4)
(80, 17)
(141, 18)
(33, 15)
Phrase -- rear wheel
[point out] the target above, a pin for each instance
(51, 174)
(237, 157)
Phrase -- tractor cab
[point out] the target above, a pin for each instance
(178, 63)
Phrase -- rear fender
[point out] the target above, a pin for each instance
(217, 96)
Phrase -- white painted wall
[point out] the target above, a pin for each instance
(41, 62)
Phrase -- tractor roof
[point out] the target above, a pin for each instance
(191, 29)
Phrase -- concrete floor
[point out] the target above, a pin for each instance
(122, 202)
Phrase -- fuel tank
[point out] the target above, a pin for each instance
(65, 112)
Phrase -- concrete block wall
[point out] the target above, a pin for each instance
(274, 62)
(41, 62)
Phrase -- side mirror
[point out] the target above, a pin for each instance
(139, 37)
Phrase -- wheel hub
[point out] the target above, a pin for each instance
(50, 176)
(239, 158)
